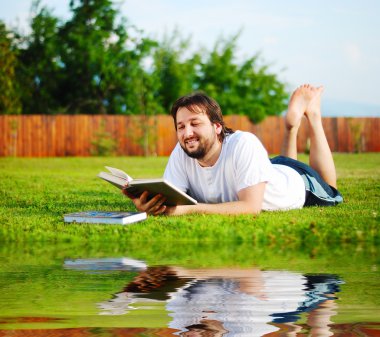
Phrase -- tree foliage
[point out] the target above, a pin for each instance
(246, 88)
(39, 71)
(100, 69)
(176, 76)
(97, 63)
(9, 98)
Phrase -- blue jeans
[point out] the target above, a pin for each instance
(318, 192)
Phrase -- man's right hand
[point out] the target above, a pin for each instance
(154, 206)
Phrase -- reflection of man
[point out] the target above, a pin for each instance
(229, 302)
(206, 328)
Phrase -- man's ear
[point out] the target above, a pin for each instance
(218, 128)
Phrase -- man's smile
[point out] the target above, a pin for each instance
(192, 141)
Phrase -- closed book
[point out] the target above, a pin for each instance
(110, 263)
(122, 218)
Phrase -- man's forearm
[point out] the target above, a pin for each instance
(234, 207)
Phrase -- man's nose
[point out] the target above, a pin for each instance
(188, 131)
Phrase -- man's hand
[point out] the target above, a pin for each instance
(154, 206)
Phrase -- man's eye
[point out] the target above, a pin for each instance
(181, 127)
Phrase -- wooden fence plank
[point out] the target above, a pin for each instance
(330, 127)
(166, 135)
(59, 136)
(2, 136)
(8, 137)
(372, 128)
(27, 141)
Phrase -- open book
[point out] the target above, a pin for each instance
(120, 179)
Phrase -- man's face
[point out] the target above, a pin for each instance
(195, 133)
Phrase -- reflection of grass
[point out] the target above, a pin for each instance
(35, 193)
(68, 298)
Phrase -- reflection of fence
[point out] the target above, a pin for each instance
(75, 135)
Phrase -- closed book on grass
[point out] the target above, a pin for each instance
(174, 196)
(122, 218)
(110, 263)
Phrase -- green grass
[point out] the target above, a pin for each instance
(35, 193)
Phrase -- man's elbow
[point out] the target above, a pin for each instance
(251, 209)
(255, 211)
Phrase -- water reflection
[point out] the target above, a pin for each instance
(46, 294)
(228, 301)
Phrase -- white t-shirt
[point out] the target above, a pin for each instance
(241, 314)
(243, 162)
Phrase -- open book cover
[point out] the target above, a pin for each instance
(120, 179)
(122, 218)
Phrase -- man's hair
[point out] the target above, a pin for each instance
(197, 102)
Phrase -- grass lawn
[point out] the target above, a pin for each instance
(35, 193)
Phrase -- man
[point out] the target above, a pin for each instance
(231, 301)
(229, 172)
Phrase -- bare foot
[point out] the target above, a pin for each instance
(313, 110)
(304, 99)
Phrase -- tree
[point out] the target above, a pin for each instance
(9, 98)
(98, 64)
(40, 67)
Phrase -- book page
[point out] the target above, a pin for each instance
(119, 173)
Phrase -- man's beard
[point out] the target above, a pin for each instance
(203, 147)
(197, 154)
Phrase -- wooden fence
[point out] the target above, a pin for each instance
(83, 135)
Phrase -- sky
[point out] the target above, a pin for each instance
(334, 43)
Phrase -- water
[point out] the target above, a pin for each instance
(180, 289)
